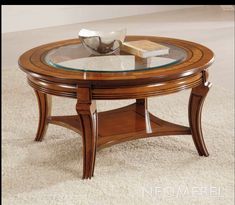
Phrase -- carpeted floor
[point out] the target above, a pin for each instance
(164, 170)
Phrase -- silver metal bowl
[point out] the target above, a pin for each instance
(102, 43)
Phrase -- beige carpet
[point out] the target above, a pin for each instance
(164, 170)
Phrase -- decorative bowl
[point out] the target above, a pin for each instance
(102, 43)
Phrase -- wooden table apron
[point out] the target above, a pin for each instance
(134, 121)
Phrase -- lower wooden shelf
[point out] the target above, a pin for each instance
(124, 124)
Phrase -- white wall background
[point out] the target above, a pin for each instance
(26, 17)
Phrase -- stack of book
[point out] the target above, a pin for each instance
(144, 48)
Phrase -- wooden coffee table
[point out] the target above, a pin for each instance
(67, 69)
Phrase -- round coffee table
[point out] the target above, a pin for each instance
(67, 69)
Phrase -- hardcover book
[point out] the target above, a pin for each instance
(144, 48)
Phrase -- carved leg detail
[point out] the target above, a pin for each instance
(44, 105)
(87, 113)
(196, 100)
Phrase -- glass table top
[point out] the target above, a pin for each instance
(77, 57)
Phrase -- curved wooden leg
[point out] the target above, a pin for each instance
(86, 109)
(44, 105)
(196, 100)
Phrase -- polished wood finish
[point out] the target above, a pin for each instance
(44, 104)
(70, 121)
(131, 122)
(118, 92)
(123, 124)
(198, 59)
(196, 101)
(86, 109)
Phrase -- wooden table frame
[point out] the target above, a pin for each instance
(134, 121)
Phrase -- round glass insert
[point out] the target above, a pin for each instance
(76, 57)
